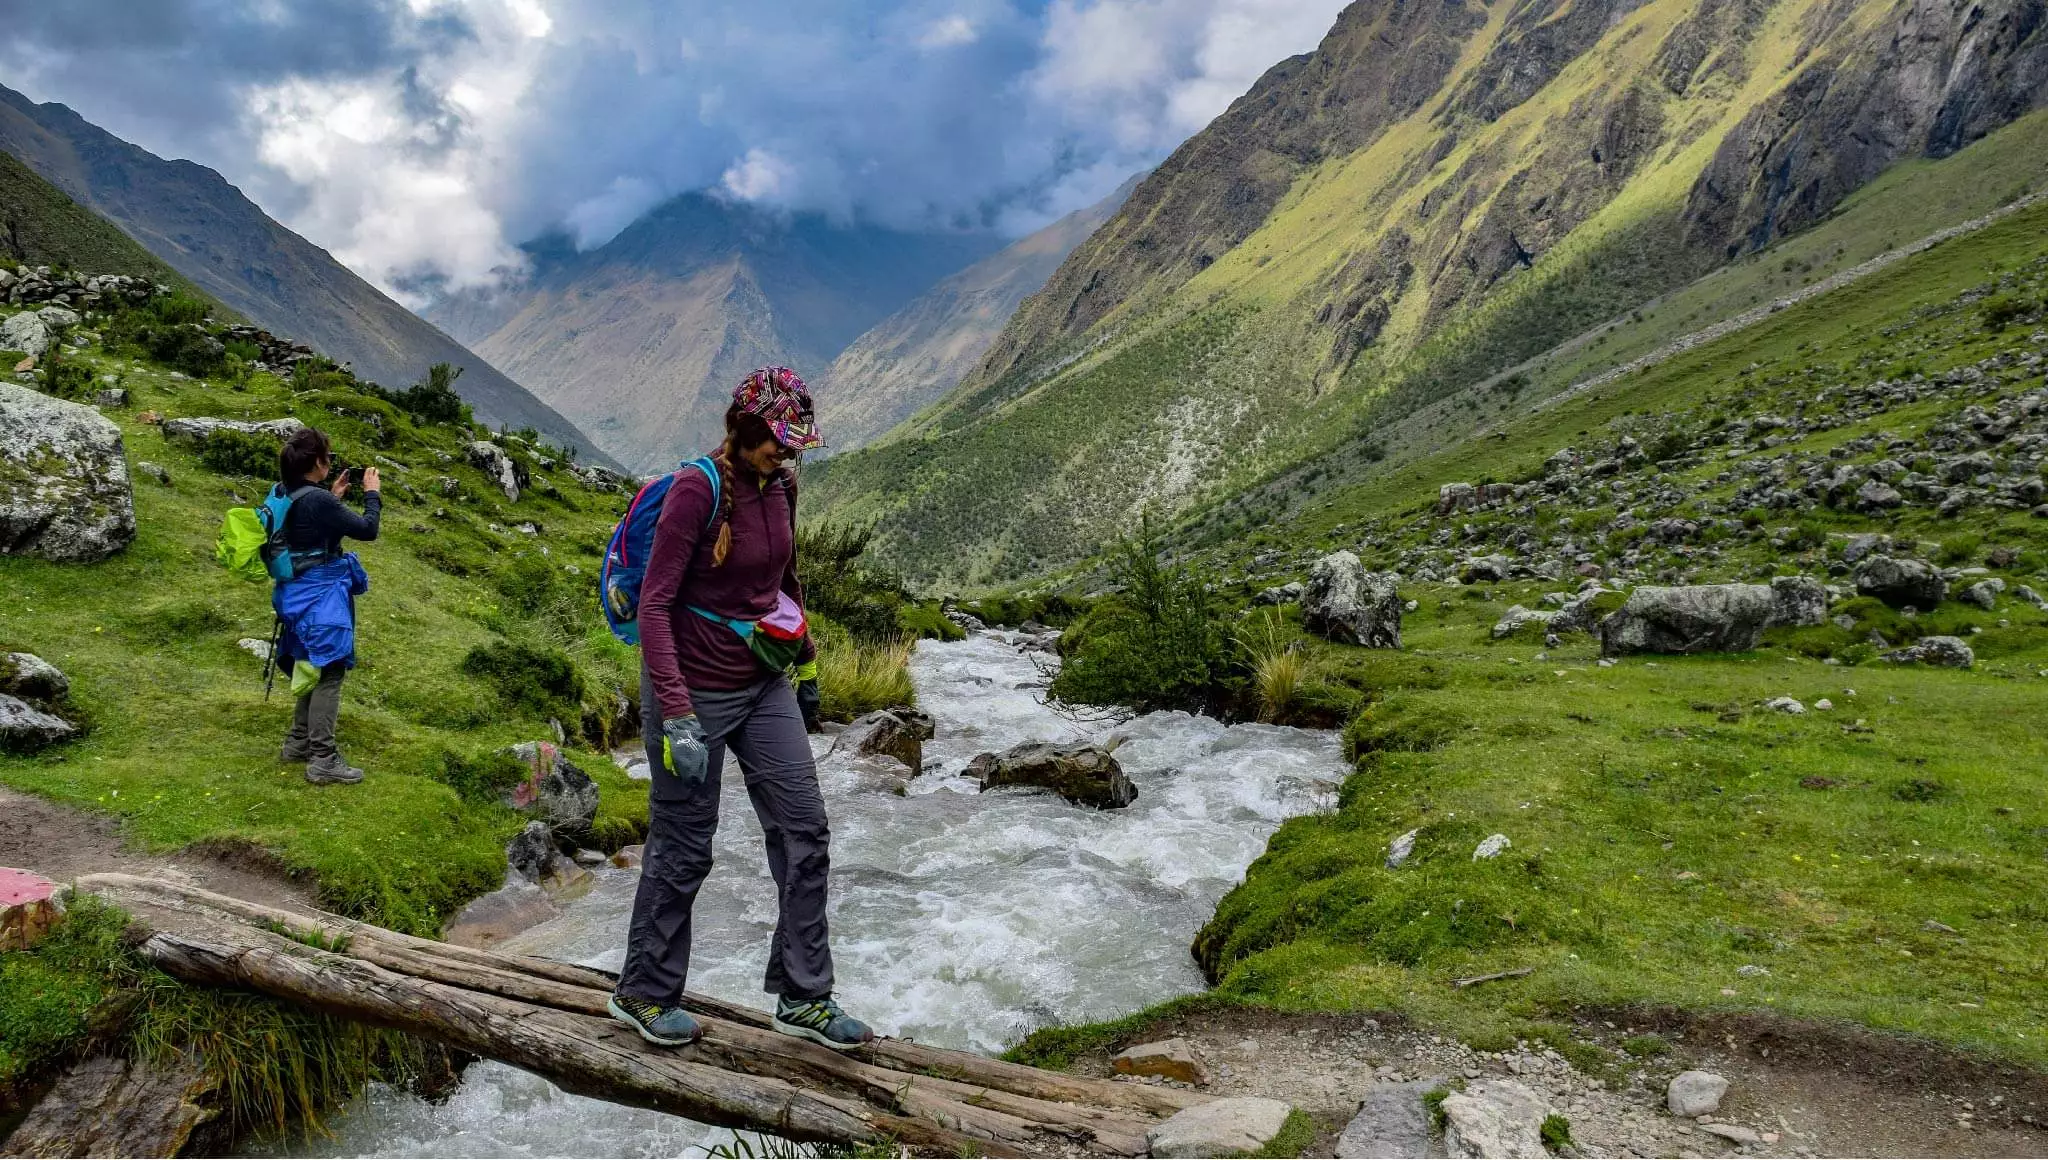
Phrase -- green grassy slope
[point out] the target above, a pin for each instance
(42, 227)
(1675, 841)
(184, 745)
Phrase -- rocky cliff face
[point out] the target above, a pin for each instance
(640, 340)
(917, 354)
(201, 226)
(1435, 194)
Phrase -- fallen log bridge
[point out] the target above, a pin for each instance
(549, 1018)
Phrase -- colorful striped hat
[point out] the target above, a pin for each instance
(777, 395)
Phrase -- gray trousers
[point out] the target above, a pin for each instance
(765, 731)
(314, 717)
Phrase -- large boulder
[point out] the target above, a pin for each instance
(1801, 602)
(899, 733)
(64, 490)
(32, 678)
(196, 430)
(1086, 775)
(1947, 652)
(1344, 602)
(26, 333)
(1690, 619)
(503, 470)
(562, 795)
(25, 728)
(1901, 583)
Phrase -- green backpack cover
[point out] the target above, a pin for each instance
(240, 547)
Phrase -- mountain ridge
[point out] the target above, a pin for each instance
(192, 219)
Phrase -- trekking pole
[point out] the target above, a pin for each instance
(270, 662)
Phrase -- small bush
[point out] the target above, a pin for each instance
(2003, 311)
(544, 681)
(66, 379)
(1556, 1133)
(1156, 644)
(482, 778)
(1645, 1046)
(241, 453)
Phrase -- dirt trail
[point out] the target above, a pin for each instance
(1805, 1089)
(61, 843)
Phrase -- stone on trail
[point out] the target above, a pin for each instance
(1229, 1127)
(1402, 847)
(1946, 652)
(1391, 1124)
(1345, 603)
(1169, 1058)
(29, 908)
(1694, 1093)
(64, 491)
(1495, 1118)
(1086, 775)
(1691, 619)
(1901, 583)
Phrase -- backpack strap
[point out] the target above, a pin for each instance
(705, 464)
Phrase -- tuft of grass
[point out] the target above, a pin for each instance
(1295, 1138)
(1557, 1134)
(538, 679)
(1282, 670)
(855, 677)
(482, 778)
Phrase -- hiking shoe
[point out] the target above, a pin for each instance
(820, 1021)
(659, 1025)
(332, 771)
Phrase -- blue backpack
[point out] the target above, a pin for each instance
(625, 558)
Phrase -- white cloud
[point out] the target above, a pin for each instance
(951, 32)
(760, 176)
(596, 220)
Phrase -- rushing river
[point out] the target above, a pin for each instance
(958, 918)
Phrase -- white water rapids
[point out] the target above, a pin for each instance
(959, 919)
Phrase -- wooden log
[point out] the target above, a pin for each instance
(580, 1054)
(520, 976)
(108, 1106)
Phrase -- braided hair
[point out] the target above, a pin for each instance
(742, 429)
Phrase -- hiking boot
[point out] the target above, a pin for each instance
(659, 1025)
(332, 770)
(820, 1021)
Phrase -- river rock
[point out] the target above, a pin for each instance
(531, 853)
(629, 857)
(1229, 1127)
(1086, 775)
(1392, 1123)
(26, 333)
(64, 490)
(29, 908)
(899, 733)
(1901, 583)
(518, 905)
(198, 428)
(1695, 1093)
(1344, 602)
(1169, 1058)
(1495, 1118)
(559, 792)
(1691, 619)
(503, 470)
(1946, 652)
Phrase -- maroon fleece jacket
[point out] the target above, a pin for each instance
(683, 649)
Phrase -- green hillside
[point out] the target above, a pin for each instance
(1678, 842)
(1353, 245)
(42, 227)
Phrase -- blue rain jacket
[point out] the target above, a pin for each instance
(318, 608)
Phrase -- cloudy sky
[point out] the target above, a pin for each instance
(419, 140)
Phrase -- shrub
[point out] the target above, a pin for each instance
(231, 452)
(432, 399)
(482, 778)
(544, 681)
(865, 601)
(1156, 644)
(1556, 1133)
(2002, 311)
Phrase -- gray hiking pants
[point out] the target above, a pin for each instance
(315, 715)
(765, 731)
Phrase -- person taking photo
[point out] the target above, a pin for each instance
(317, 605)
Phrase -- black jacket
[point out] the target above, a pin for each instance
(319, 520)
